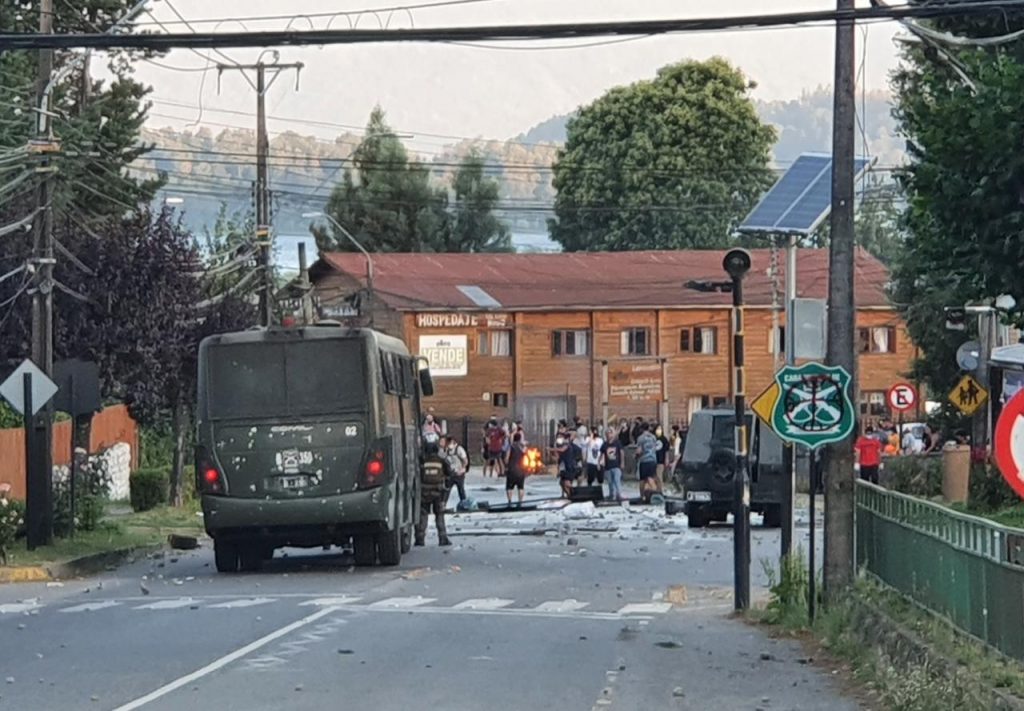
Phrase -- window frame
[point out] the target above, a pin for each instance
(560, 342)
(866, 340)
(486, 340)
(628, 341)
(691, 340)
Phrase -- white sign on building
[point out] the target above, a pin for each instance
(448, 355)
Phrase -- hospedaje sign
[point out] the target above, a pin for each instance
(448, 356)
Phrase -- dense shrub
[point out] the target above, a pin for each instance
(989, 490)
(92, 488)
(914, 475)
(148, 488)
(12, 521)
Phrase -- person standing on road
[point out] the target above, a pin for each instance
(579, 445)
(494, 448)
(435, 479)
(869, 454)
(594, 446)
(647, 457)
(515, 475)
(664, 448)
(431, 426)
(458, 460)
(566, 462)
(611, 460)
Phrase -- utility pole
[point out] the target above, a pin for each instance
(838, 565)
(307, 297)
(38, 432)
(789, 450)
(264, 234)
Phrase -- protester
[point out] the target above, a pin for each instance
(625, 436)
(611, 460)
(869, 454)
(664, 446)
(647, 456)
(494, 448)
(430, 425)
(594, 447)
(458, 460)
(515, 475)
(579, 444)
(567, 462)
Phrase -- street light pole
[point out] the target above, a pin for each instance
(737, 264)
(369, 260)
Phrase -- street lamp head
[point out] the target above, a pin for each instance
(1006, 303)
(736, 263)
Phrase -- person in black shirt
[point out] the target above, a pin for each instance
(515, 475)
(611, 460)
(663, 451)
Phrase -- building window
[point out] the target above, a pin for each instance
(570, 343)
(702, 340)
(878, 339)
(636, 341)
(777, 340)
(499, 399)
(873, 404)
(494, 343)
(703, 402)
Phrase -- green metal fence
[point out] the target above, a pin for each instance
(969, 569)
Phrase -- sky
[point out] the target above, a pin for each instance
(461, 91)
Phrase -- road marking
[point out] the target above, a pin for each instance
(402, 603)
(16, 607)
(245, 602)
(561, 606)
(172, 604)
(330, 601)
(91, 606)
(486, 603)
(646, 608)
(224, 661)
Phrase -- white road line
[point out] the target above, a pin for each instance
(402, 603)
(16, 607)
(330, 601)
(172, 604)
(224, 661)
(91, 606)
(561, 606)
(486, 603)
(646, 608)
(245, 602)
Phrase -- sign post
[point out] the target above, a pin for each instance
(812, 408)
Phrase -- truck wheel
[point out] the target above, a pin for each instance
(389, 547)
(225, 556)
(697, 518)
(364, 548)
(250, 558)
(407, 539)
(773, 516)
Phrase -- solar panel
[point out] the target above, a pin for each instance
(479, 297)
(801, 198)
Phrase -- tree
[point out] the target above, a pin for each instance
(877, 221)
(387, 202)
(670, 163)
(474, 227)
(964, 187)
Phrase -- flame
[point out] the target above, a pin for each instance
(533, 461)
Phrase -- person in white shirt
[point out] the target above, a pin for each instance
(458, 460)
(592, 457)
(912, 444)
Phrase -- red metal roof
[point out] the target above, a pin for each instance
(587, 280)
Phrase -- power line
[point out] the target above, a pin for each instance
(552, 31)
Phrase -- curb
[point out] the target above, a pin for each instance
(76, 568)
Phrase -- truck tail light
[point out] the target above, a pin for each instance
(375, 466)
(209, 479)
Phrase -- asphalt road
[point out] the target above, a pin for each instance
(619, 609)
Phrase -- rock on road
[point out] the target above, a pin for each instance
(622, 610)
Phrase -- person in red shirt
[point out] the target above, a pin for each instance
(869, 454)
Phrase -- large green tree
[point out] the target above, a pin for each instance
(669, 163)
(964, 186)
(474, 227)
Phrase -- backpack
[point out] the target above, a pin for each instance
(496, 439)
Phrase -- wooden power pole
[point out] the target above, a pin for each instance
(839, 474)
(264, 236)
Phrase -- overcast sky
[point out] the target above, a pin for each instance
(493, 93)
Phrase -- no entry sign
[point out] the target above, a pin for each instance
(902, 397)
(1009, 443)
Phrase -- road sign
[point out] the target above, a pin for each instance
(968, 395)
(902, 397)
(1009, 443)
(813, 407)
(13, 389)
(968, 355)
(764, 403)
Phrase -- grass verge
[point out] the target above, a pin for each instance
(129, 531)
(902, 656)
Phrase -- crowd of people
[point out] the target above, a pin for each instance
(886, 441)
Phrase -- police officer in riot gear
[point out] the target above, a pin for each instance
(436, 477)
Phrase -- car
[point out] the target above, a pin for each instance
(705, 470)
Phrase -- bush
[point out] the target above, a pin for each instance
(989, 490)
(148, 488)
(12, 521)
(156, 446)
(914, 475)
(92, 487)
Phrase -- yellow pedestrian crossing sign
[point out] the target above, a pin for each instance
(764, 404)
(968, 395)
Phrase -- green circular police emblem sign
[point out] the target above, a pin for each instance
(813, 407)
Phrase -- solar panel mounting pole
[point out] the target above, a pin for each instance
(789, 451)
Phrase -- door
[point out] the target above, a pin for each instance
(540, 412)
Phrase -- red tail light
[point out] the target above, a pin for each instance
(375, 467)
(211, 476)
(208, 477)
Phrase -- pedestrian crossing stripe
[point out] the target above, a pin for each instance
(403, 602)
(561, 606)
(172, 604)
(488, 603)
(92, 606)
(330, 601)
(251, 602)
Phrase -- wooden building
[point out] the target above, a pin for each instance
(601, 335)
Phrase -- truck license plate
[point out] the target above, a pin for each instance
(294, 482)
(698, 496)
